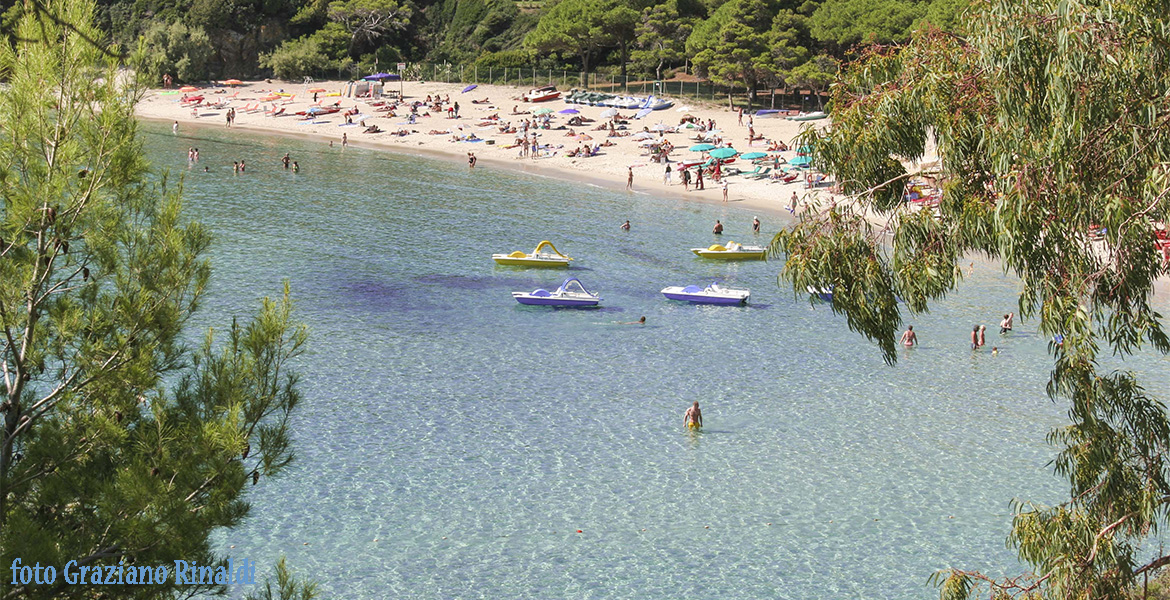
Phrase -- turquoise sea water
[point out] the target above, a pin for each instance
(452, 443)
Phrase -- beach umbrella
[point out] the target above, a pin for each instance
(644, 112)
(642, 135)
(703, 147)
(233, 82)
(188, 88)
(542, 111)
(801, 161)
(316, 90)
(584, 138)
(661, 127)
(609, 112)
(270, 98)
(381, 77)
(569, 111)
(754, 155)
(723, 152)
(469, 88)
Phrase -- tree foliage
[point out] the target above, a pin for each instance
(120, 443)
(731, 47)
(661, 35)
(1050, 119)
(576, 27)
(182, 51)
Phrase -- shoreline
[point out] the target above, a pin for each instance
(607, 170)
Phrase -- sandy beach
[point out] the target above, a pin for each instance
(440, 134)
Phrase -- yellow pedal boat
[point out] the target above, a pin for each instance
(733, 251)
(545, 255)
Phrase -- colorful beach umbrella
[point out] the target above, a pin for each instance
(754, 155)
(233, 82)
(316, 90)
(724, 152)
(188, 88)
(381, 77)
(542, 111)
(469, 88)
(703, 147)
(569, 111)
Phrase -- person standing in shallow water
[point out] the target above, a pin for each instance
(718, 229)
(909, 338)
(693, 418)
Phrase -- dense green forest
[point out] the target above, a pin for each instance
(745, 44)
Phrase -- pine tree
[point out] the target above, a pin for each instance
(121, 444)
(1050, 118)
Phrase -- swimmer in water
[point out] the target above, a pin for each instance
(626, 225)
(909, 338)
(693, 418)
(641, 321)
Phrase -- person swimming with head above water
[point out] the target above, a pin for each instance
(641, 321)
(693, 418)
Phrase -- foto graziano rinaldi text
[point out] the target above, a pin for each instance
(184, 573)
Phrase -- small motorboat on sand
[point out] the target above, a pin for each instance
(712, 294)
(541, 94)
(571, 294)
(812, 116)
(545, 255)
(733, 251)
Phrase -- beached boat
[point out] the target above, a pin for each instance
(733, 251)
(571, 294)
(541, 94)
(812, 116)
(712, 294)
(769, 113)
(545, 255)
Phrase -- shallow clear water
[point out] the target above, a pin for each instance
(472, 437)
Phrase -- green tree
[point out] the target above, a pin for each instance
(842, 24)
(1050, 122)
(310, 55)
(577, 27)
(368, 21)
(731, 47)
(816, 74)
(120, 443)
(183, 51)
(661, 36)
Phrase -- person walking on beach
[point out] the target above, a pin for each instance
(285, 160)
(755, 224)
(718, 229)
(792, 203)
(1006, 324)
(344, 140)
(626, 225)
(666, 175)
(693, 418)
(741, 115)
(630, 178)
(699, 182)
(725, 191)
(686, 177)
(175, 128)
(909, 338)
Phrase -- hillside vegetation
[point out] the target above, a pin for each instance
(742, 44)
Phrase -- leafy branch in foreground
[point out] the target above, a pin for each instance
(119, 442)
(1051, 121)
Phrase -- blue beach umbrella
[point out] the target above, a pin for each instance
(570, 111)
(724, 153)
(801, 161)
(469, 88)
(702, 147)
(753, 155)
(381, 77)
